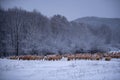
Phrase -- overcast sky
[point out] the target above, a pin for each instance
(72, 9)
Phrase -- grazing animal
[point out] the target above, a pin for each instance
(13, 57)
(70, 57)
(107, 58)
(31, 57)
(53, 57)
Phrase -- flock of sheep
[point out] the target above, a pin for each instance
(79, 56)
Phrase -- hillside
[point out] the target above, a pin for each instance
(97, 21)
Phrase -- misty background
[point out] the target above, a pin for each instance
(56, 27)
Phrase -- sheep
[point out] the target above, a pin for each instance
(13, 57)
(107, 58)
(71, 57)
(53, 57)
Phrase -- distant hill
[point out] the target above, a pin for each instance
(97, 21)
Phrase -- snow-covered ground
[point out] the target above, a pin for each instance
(59, 70)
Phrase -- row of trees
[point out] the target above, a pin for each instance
(23, 32)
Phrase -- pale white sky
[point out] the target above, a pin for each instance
(72, 9)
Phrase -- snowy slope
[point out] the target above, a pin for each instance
(97, 21)
(59, 70)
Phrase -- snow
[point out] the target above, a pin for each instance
(59, 70)
(114, 51)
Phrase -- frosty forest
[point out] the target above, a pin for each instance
(23, 32)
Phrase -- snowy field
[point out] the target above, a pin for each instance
(59, 70)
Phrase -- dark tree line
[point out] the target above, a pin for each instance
(23, 32)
